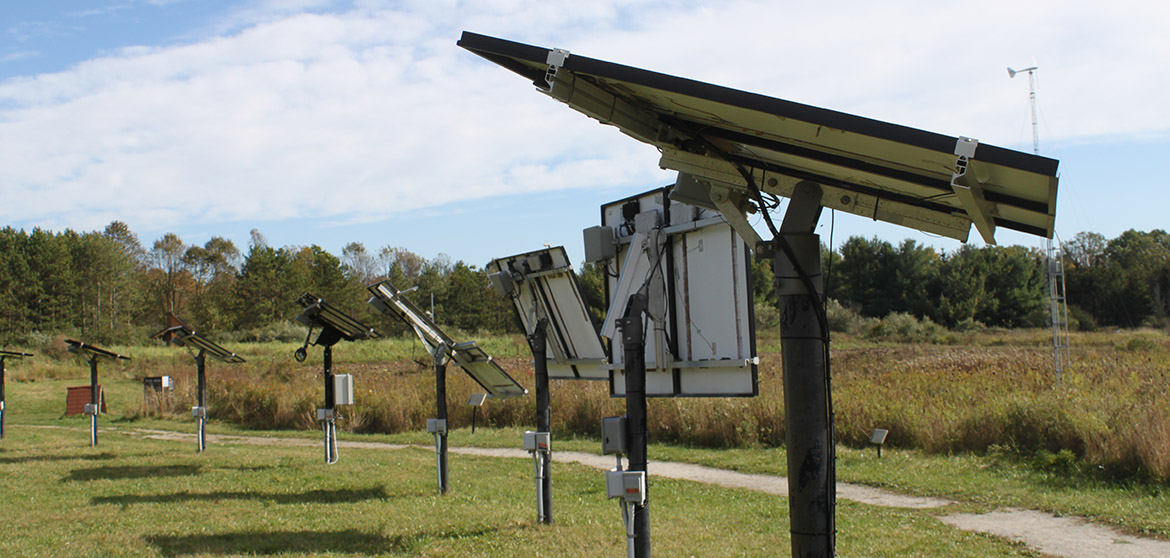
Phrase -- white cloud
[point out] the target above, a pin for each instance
(356, 116)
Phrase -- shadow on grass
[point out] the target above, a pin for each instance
(131, 472)
(36, 458)
(300, 542)
(342, 496)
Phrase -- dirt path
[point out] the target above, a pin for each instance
(1068, 537)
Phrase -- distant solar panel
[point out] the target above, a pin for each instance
(182, 335)
(92, 351)
(543, 285)
(922, 180)
(335, 324)
(481, 367)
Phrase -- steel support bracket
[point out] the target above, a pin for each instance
(969, 190)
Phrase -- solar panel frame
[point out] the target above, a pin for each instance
(473, 360)
(876, 169)
(552, 291)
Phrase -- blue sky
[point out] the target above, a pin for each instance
(320, 122)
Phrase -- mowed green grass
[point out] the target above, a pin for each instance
(133, 496)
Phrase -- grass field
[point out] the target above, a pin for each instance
(136, 497)
(139, 497)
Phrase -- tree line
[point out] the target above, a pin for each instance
(106, 286)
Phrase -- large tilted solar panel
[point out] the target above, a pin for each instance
(545, 286)
(926, 181)
(707, 346)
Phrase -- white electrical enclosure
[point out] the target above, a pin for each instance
(700, 332)
(343, 389)
(542, 284)
(477, 363)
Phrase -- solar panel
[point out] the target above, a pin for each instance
(335, 324)
(931, 182)
(484, 370)
(471, 358)
(182, 335)
(542, 284)
(92, 351)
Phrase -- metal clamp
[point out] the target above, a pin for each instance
(965, 149)
(556, 59)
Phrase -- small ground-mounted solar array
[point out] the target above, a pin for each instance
(4, 356)
(334, 325)
(470, 357)
(736, 152)
(92, 354)
(180, 334)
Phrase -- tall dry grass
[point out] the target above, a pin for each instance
(995, 390)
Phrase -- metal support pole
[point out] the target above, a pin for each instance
(201, 397)
(3, 371)
(329, 424)
(440, 358)
(634, 358)
(796, 260)
(537, 342)
(95, 400)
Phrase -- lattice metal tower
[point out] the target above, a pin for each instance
(1058, 306)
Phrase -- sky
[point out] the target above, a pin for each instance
(329, 122)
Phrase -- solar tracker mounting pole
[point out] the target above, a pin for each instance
(634, 358)
(537, 341)
(3, 371)
(796, 265)
(201, 396)
(329, 423)
(95, 400)
(440, 358)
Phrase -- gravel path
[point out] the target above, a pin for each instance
(1068, 537)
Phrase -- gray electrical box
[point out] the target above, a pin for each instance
(437, 426)
(613, 436)
(324, 414)
(502, 283)
(199, 412)
(630, 486)
(343, 389)
(599, 244)
(91, 409)
(537, 441)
